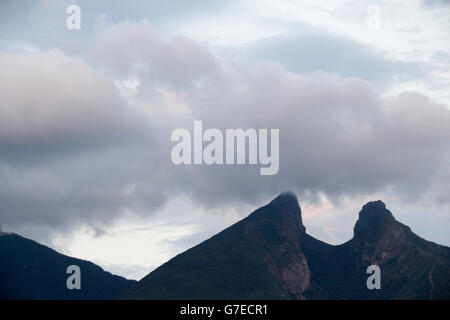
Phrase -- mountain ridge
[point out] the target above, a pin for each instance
(266, 255)
(281, 261)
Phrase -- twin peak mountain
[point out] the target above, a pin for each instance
(267, 255)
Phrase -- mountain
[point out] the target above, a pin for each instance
(269, 255)
(29, 270)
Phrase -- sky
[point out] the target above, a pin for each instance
(359, 90)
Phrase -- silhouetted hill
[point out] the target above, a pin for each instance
(269, 255)
(29, 270)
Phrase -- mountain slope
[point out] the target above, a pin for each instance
(411, 267)
(29, 270)
(269, 255)
(258, 257)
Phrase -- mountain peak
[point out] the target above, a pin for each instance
(374, 205)
(286, 198)
(285, 210)
(286, 204)
(374, 218)
(263, 249)
(374, 211)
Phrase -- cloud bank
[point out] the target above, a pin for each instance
(86, 141)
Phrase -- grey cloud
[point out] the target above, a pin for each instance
(156, 61)
(69, 144)
(337, 136)
(52, 103)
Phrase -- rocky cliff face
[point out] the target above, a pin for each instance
(269, 255)
(281, 219)
(412, 267)
(378, 237)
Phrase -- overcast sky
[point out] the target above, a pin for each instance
(86, 117)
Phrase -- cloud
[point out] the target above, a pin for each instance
(177, 61)
(68, 142)
(51, 103)
(337, 136)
